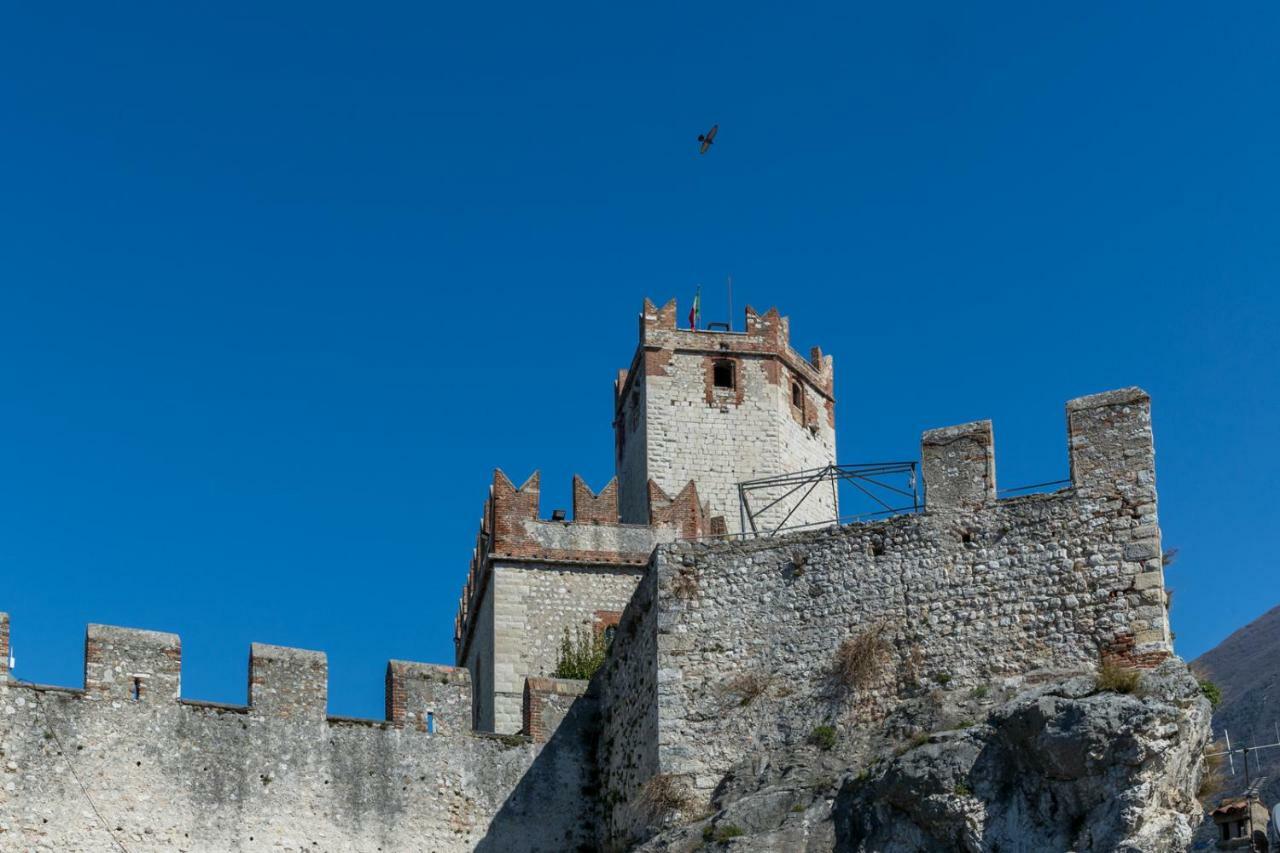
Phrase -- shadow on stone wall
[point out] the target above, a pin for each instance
(555, 808)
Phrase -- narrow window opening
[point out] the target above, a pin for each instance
(431, 722)
(722, 374)
(137, 689)
(797, 396)
(610, 632)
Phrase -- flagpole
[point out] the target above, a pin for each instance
(731, 303)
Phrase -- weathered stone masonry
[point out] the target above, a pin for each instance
(674, 425)
(124, 761)
(972, 590)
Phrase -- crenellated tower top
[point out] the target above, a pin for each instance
(718, 407)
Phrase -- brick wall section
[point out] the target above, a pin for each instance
(720, 396)
(603, 620)
(546, 703)
(685, 512)
(4, 646)
(592, 508)
(509, 507)
(971, 591)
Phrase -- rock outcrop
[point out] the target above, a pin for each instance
(1057, 766)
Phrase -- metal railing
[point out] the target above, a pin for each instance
(885, 488)
(766, 505)
(1049, 486)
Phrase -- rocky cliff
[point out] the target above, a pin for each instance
(1047, 762)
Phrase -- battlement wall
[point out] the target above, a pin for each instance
(125, 761)
(970, 591)
(534, 582)
(547, 701)
(511, 529)
(767, 335)
(144, 668)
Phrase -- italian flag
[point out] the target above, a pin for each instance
(696, 310)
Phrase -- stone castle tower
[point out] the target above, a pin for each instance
(696, 413)
(718, 408)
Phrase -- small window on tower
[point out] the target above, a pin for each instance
(722, 374)
(797, 395)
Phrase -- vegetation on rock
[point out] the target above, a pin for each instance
(860, 659)
(1117, 679)
(823, 737)
(1211, 692)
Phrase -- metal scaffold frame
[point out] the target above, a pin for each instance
(869, 479)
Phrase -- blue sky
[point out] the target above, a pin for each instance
(280, 285)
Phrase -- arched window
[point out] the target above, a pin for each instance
(722, 374)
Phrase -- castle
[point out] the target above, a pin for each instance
(695, 414)
(495, 754)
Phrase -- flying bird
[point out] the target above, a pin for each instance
(707, 138)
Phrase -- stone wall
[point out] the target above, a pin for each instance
(478, 661)
(627, 686)
(778, 417)
(125, 764)
(534, 603)
(972, 590)
(547, 701)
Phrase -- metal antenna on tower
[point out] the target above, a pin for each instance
(1244, 751)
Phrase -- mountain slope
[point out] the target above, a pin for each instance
(1246, 659)
(1246, 668)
